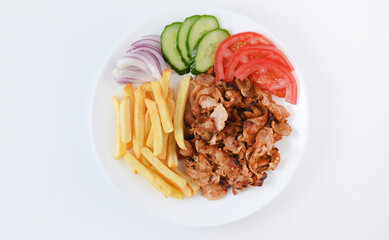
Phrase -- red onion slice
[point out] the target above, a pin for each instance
(132, 73)
(147, 42)
(153, 37)
(143, 62)
(151, 61)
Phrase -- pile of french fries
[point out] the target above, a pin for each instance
(149, 124)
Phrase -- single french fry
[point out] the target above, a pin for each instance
(182, 97)
(156, 127)
(160, 184)
(128, 91)
(144, 161)
(165, 81)
(186, 190)
(171, 95)
(191, 182)
(134, 171)
(163, 110)
(176, 193)
(147, 123)
(125, 120)
(139, 121)
(149, 95)
(146, 87)
(165, 137)
(171, 157)
(150, 139)
(120, 147)
(171, 105)
(164, 170)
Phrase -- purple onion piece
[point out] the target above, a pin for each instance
(154, 63)
(143, 62)
(150, 63)
(152, 36)
(132, 61)
(150, 42)
(158, 55)
(145, 47)
(129, 80)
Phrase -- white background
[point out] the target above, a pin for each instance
(52, 187)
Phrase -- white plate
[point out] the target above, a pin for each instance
(196, 211)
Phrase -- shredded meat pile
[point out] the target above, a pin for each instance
(230, 131)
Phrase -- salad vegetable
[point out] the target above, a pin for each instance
(143, 62)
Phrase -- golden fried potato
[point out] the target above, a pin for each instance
(182, 97)
(163, 169)
(120, 147)
(159, 183)
(150, 138)
(186, 190)
(165, 81)
(171, 145)
(171, 95)
(125, 120)
(147, 123)
(156, 126)
(163, 110)
(191, 182)
(139, 121)
(146, 87)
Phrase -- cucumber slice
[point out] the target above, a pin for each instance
(204, 53)
(181, 38)
(169, 48)
(199, 28)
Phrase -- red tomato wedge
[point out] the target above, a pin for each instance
(226, 49)
(271, 76)
(249, 52)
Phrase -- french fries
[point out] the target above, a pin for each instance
(156, 127)
(150, 139)
(147, 123)
(172, 160)
(165, 137)
(182, 97)
(139, 121)
(161, 185)
(125, 120)
(120, 147)
(176, 193)
(128, 91)
(163, 110)
(147, 87)
(145, 117)
(171, 95)
(144, 161)
(165, 81)
(191, 182)
(164, 170)
(186, 190)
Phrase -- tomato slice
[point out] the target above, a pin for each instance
(270, 76)
(255, 51)
(226, 49)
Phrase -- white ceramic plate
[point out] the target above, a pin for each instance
(196, 211)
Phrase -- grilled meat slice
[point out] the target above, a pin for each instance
(231, 128)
